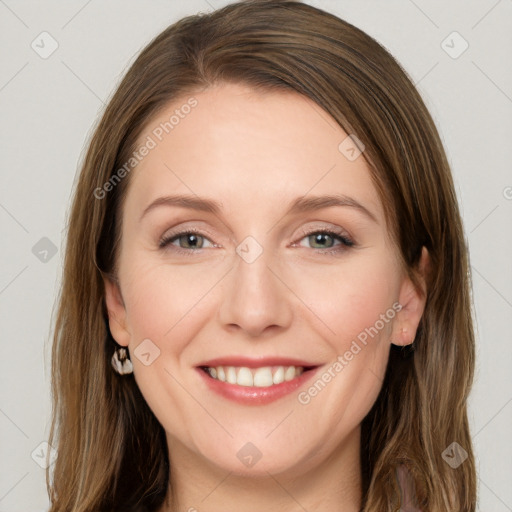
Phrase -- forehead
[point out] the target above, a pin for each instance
(248, 148)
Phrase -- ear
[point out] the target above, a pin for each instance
(413, 302)
(117, 318)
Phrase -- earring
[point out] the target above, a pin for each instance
(120, 361)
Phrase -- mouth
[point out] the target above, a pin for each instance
(254, 383)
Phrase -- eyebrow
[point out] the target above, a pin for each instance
(299, 205)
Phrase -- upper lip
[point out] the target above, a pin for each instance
(250, 362)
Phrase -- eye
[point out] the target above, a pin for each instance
(187, 240)
(321, 240)
(323, 236)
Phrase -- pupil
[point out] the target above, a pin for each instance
(193, 238)
(319, 237)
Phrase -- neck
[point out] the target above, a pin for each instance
(334, 485)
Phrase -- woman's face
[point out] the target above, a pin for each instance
(257, 284)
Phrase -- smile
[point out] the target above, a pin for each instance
(255, 386)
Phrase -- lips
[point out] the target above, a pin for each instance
(255, 381)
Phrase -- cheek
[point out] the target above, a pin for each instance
(165, 302)
(351, 296)
(357, 303)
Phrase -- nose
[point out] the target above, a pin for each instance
(255, 297)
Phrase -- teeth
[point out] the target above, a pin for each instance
(263, 377)
(278, 375)
(289, 374)
(260, 377)
(231, 375)
(245, 377)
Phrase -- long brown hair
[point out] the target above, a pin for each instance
(111, 450)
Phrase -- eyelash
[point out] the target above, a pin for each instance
(345, 242)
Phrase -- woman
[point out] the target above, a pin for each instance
(210, 352)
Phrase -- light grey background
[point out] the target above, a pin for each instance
(48, 108)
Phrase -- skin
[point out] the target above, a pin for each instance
(255, 153)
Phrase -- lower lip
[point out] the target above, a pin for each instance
(254, 395)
